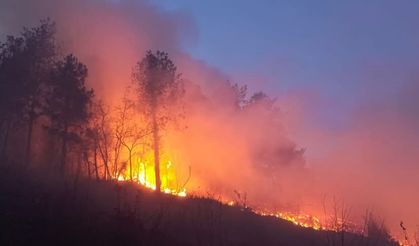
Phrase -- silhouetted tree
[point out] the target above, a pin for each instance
(91, 150)
(25, 63)
(124, 114)
(101, 132)
(378, 233)
(11, 82)
(240, 95)
(159, 88)
(67, 101)
(39, 52)
(261, 98)
(128, 132)
(25, 67)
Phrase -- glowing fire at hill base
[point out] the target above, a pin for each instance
(145, 176)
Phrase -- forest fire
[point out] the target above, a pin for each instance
(176, 125)
(144, 175)
(303, 220)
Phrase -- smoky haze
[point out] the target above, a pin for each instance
(372, 163)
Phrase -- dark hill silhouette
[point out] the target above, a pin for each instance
(43, 209)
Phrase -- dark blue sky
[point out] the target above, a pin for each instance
(344, 51)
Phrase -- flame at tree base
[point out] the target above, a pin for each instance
(145, 177)
(150, 186)
(303, 220)
(143, 174)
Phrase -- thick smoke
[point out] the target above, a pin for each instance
(370, 163)
(109, 36)
(226, 148)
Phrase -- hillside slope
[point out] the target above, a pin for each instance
(42, 209)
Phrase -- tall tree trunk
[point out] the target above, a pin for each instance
(95, 164)
(105, 158)
(145, 172)
(156, 152)
(6, 138)
(29, 140)
(108, 172)
(64, 150)
(86, 160)
(117, 150)
(78, 171)
(130, 163)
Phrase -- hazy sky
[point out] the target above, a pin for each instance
(345, 52)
